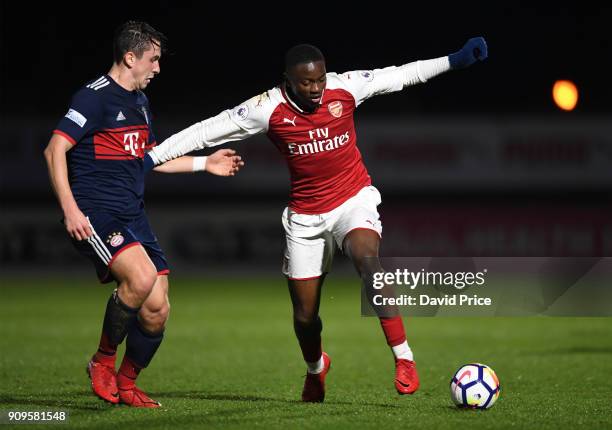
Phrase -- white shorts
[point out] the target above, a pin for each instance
(312, 239)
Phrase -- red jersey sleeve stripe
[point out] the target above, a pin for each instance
(61, 133)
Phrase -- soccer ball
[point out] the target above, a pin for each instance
(474, 386)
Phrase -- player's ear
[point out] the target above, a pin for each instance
(129, 59)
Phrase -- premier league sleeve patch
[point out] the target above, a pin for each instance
(368, 75)
(240, 113)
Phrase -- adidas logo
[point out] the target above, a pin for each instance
(120, 116)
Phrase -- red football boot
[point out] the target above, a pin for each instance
(103, 381)
(406, 376)
(134, 396)
(314, 385)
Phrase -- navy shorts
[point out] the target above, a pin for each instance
(112, 235)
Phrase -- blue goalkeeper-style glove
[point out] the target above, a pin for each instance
(474, 50)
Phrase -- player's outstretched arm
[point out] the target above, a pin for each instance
(245, 120)
(224, 162)
(365, 84)
(75, 221)
(211, 132)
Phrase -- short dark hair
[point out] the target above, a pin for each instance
(301, 54)
(136, 36)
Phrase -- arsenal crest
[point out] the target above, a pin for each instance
(335, 108)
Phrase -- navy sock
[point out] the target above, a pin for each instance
(142, 345)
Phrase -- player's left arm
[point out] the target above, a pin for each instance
(366, 84)
(224, 162)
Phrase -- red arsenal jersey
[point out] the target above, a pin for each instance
(321, 151)
(320, 147)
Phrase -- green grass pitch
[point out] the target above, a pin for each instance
(230, 360)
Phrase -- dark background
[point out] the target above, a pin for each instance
(546, 193)
(222, 55)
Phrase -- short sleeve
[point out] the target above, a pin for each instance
(83, 116)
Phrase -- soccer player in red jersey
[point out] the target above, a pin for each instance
(309, 117)
(97, 160)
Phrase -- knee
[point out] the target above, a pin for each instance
(307, 327)
(304, 318)
(367, 264)
(154, 316)
(141, 283)
(364, 257)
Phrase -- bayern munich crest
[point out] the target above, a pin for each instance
(115, 239)
(335, 108)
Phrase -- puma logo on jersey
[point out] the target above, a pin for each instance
(120, 116)
(290, 121)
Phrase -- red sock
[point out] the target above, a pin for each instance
(107, 352)
(128, 372)
(394, 330)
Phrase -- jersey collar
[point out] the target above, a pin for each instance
(119, 89)
(294, 105)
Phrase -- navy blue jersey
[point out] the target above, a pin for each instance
(110, 128)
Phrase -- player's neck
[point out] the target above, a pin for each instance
(122, 77)
(295, 101)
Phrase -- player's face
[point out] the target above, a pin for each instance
(146, 67)
(307, 82)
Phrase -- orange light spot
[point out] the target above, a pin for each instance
(565, 95)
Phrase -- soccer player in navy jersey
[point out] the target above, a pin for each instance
(97, 160)
(309, 117)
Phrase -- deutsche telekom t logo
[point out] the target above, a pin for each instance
(131, 142)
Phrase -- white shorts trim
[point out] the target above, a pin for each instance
(98, 245)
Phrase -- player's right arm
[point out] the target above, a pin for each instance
(75, 221)
(245, 120)
(83, 116)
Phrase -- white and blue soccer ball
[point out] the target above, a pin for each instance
(475, 386)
